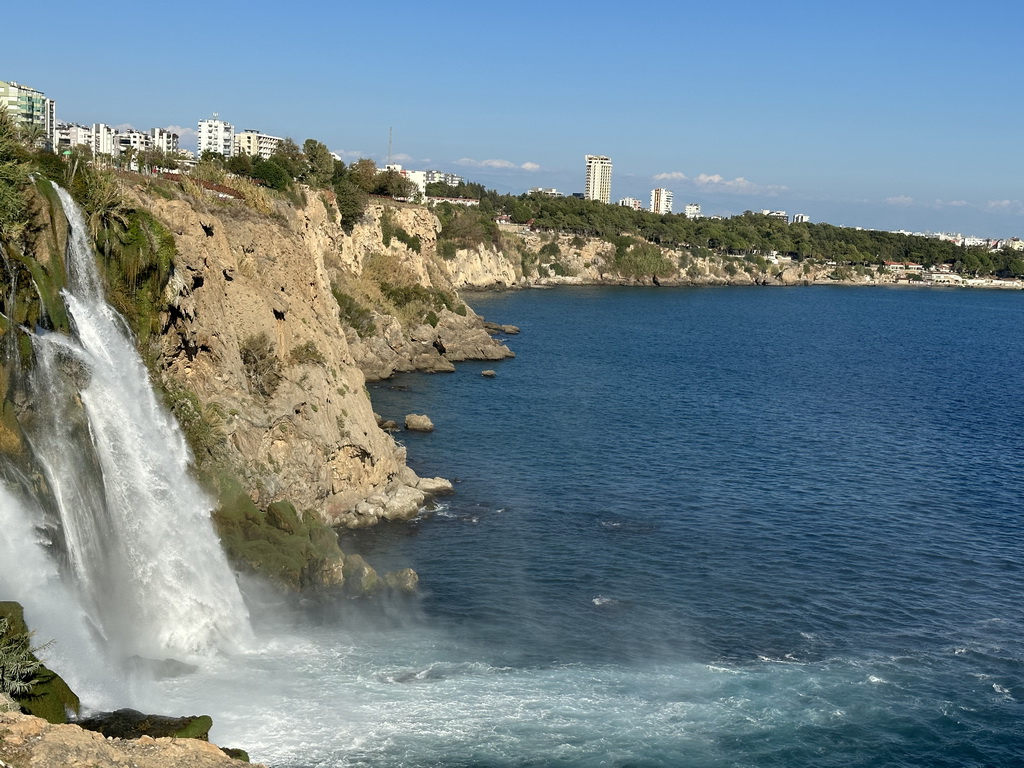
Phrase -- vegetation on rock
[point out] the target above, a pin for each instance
(296, 550)
(39, 690)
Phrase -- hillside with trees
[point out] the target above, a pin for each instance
(748, 234)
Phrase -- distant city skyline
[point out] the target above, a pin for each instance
(881, 115)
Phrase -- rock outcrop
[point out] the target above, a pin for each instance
(31, 742)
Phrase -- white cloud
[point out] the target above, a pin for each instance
(673, 176)
(900, 200)
(737, 186)
(505, 164)
(187, 137)
(1006, 206)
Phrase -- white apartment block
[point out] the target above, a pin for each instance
(256, 144)
(691, 210)
(631, 202)
(661, 201)
(544, 191)
(419, 178)
(801, 218)
(134, 140)
(29, 107)
(780, 215)
(104, 140)
(164, 140)
(448, 178)
(70, 135)
(217, 136)
(599, 178)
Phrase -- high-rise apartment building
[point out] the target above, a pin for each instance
(104, 140)
(30, 109)
(661, 201)
(599, 178)
(217, 136)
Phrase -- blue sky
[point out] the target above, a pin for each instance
(899, 114)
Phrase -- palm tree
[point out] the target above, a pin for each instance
(32, 134)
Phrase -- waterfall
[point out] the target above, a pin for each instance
(139, 553)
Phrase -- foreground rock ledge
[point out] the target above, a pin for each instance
(31, 742)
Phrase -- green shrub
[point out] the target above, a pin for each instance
(352, 314)
(550, 250)
(19, 667)
(262, 368)
(306, 353)
(447, 249)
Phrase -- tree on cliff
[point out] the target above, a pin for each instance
(290, 157)
(13, 179)
(319, 164)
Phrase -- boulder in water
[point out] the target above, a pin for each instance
(132, 724)
(419, 422)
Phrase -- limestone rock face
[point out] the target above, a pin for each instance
(481, 267)
(31, 742)
(258, 289)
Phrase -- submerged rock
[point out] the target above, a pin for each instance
(164, 669)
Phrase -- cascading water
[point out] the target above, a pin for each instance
(140, 554)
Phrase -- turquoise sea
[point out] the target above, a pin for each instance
(691, 527)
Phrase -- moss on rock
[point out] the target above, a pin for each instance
(297, 551)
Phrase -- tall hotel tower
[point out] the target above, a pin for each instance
(599, 178)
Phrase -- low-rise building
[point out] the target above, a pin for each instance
(256, 144)
(433, 177)
(691, 210)
(632, 202)
(71, 135)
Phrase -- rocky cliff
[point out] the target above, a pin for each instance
(524, 258)
(253, 331)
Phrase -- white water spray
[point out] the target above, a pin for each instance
(140, 547)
